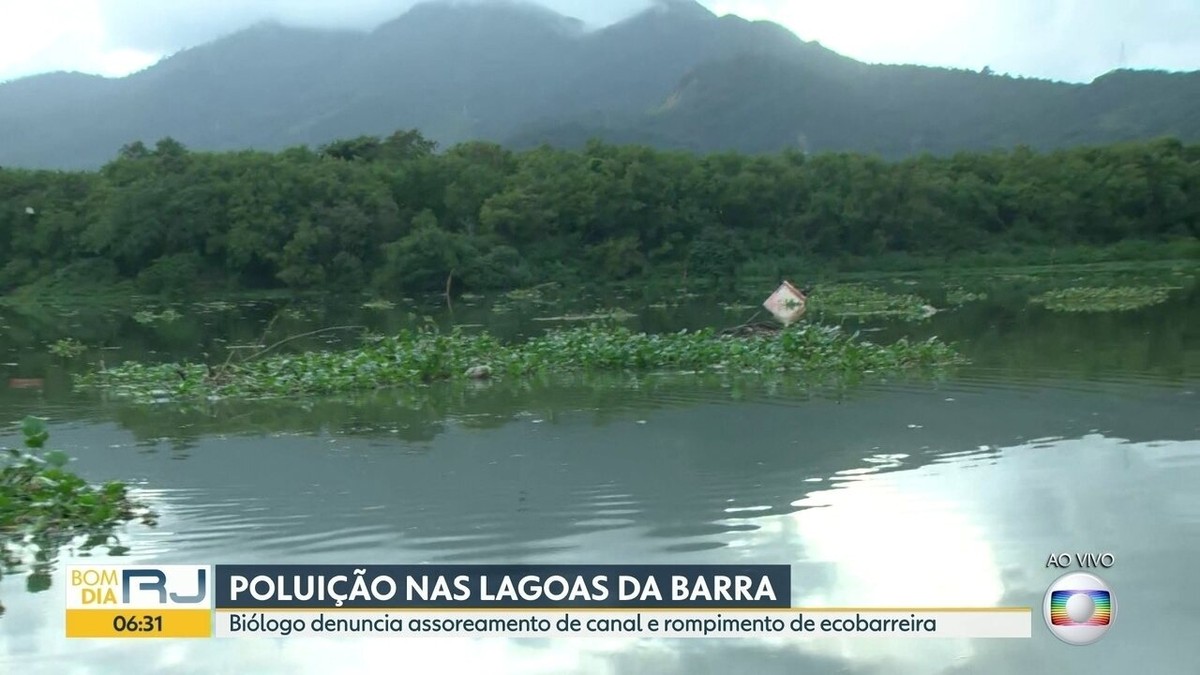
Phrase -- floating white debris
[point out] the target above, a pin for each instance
(29, 210)
(787, 303)
(479, 372)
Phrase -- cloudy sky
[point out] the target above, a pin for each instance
(1073, 40)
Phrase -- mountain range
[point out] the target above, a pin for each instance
(673, 76)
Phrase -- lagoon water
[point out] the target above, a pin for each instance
(1068, 433)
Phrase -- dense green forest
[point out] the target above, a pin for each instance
(399, 216)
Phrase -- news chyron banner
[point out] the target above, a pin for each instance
(515, 601)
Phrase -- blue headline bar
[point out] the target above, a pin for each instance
(502, 586)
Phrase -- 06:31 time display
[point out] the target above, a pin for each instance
(138, 624)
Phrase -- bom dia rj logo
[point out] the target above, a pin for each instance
(143, 587)
(135, 600)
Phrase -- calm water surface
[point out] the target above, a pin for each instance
(1068, 433)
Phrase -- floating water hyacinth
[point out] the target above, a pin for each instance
(857, 300)
(537, 294)
(959, 296)
(422, 356)
(44, 506)
(379, 304)
(67, 348)
(146, 317)
(614, 315)
(214, 306)
(1102, 299)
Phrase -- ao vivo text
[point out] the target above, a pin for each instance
(1081, 560)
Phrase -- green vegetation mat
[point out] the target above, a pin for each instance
(414, 357)
(1108, 299)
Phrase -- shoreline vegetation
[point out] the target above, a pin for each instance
(1149, 260)
(424, 356)
(1135, 257)
(393, 216)
(45, 507)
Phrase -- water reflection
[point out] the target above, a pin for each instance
(1071, 433)
(944, 494)
(946, 533)
(1003, 331)
(547, 472)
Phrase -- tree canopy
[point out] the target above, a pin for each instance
(395, 214)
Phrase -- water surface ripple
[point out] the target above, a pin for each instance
(899, 491)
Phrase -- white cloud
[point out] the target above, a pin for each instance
(61, 35)
(1057, 39)
(1060, 39)
(33, 33)
(118, 62)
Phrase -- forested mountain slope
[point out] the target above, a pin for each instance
(674, 76)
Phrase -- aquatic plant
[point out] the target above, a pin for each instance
(859, 300)
(1102, 299)
(960, 296)
(727, 306)
(611, 315)
(424, 355)
(45, 507)
(524, 297)
(537, 294)
(146, 317)
(67, 348)
(215, 306)
(379, 304)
